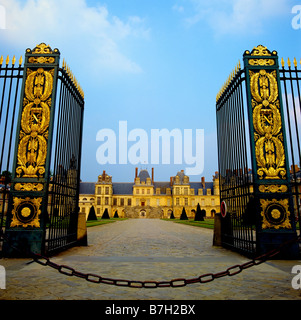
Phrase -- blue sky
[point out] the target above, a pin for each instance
(153, 63)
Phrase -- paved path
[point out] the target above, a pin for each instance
(148, 250)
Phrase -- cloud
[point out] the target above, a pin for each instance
(236, 16)
(178, 8)
(90, 34)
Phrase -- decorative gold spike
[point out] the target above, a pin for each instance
(7, 60)
(1, 60)
(289, 62)
(295, 62)
(20, 61)
(282, 62)
(239, 67)
(14, 60)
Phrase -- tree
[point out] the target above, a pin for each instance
(203, 213)
(105, 214)
(92, 214)
(171, 215)
(116, 214)
(198, 216)
(183, 215)
(7, 176)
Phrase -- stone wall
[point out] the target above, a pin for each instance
(146, 212)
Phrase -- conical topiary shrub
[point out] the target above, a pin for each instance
(116, 214)
(183, 215)
(92, 215)
(172, 215)
(203, 213)
(105, 214)
(198, 215)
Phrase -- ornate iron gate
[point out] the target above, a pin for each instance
(40, 199)
(255, 181)
(290, 80)
(10, 84)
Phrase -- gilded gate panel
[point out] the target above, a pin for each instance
(45, 173)
(268, 134)
(36, 115)
(267, 131)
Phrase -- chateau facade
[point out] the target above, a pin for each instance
(146, 198)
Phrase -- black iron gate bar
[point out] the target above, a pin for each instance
(10, 78)
(235, 180)
(291, 82)
(64, 184)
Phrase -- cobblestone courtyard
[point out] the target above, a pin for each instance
(148, 250)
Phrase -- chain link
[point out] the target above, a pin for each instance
(175, 283)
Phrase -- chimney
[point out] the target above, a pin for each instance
(171, 181)
(104, 175)
(136, 173)
(203, 182)
(152, 175)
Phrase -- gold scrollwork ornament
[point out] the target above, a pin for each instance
(273, 188)
(29, 187)
(35, 120)
(269, 149)
(261, 62)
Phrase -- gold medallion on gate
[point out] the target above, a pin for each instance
(275, 214)
(26, 212)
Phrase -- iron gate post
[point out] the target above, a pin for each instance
(270, 162)
(27, 214)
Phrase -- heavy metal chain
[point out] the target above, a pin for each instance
(175, 283)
